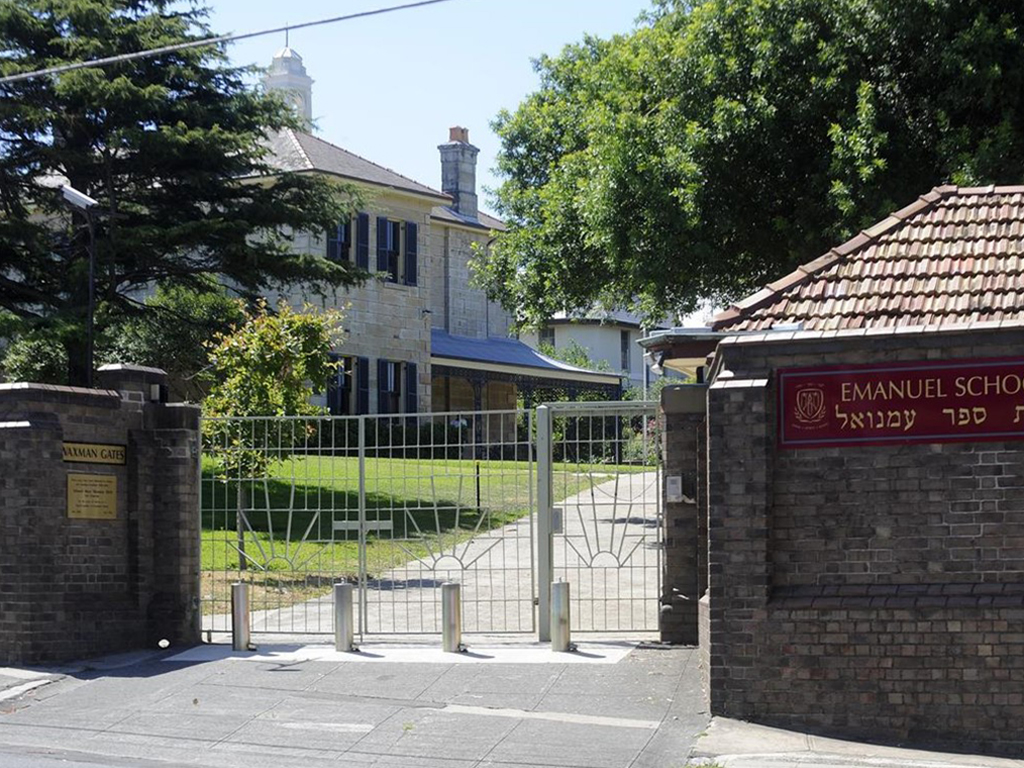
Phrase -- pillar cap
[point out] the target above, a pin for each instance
(684, 398)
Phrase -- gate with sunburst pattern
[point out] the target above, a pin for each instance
(600, 513)
(399, 505)
(395, 504)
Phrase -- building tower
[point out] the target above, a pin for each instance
(287, 74)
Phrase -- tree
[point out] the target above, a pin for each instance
(722, 143)
(264, 370)
(35, 358)
(173, 148)
(576, 354)
(268, 366)
(175, 335)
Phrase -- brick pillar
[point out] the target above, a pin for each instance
(79, 581)
(685, 519)
(174, 608)
(740, 439)
(164, 475)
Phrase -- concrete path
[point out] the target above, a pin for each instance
(737, 744)
(608, 551)
(608, 707)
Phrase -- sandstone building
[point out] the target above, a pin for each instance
(419, 337)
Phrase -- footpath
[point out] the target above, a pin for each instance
(614, 704)
(610, 705)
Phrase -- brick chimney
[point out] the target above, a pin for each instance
(458, 171)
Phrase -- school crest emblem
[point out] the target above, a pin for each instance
(809, 408)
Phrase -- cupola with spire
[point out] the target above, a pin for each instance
(287, 75)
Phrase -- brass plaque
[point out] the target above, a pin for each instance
(94, 453)
(92, 497)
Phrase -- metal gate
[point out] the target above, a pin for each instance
(401, 504)
(600, 513)
(397, 505)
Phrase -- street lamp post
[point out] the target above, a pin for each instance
(85, 203)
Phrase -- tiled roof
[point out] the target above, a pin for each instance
(298, 151)
(956, 255)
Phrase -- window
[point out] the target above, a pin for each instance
(397, 250)
(348, 393)
(389, 238)
(625, 346)
(396, 387)
(339, 241)
(547, 337)
(389, 386)
(339, 390)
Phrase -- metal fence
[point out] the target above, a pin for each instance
(397, 505)
(600, 522)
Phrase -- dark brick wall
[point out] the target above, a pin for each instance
(868, 591)
(963, 524)
(75, 588)
(685, 575)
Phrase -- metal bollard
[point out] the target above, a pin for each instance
(451, 618)
(240, 616)
(560, 634)
(344, 629)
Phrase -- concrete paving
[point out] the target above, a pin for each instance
(737, 744)
(394, 705)
(398, 706)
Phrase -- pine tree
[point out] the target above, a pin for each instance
(172, 147)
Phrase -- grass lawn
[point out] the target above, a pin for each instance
(300, 535)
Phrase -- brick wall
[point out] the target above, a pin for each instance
(685, 521)
(74, 588)
(871, 591)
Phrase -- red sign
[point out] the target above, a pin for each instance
(924, 402)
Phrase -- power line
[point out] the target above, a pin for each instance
(209, 41)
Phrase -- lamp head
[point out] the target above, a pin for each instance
(77, 199)
(656, 361)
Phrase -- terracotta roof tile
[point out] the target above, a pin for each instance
(953, 256)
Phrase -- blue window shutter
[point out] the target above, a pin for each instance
(345, 239)
(333, 237)
(411, 400)
(382, 244)
(410, 253)
(363, 241)
(362, 385)
(382, 386)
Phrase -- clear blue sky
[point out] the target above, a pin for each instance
(388, 87)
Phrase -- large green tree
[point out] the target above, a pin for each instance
(171, 146)
(721, 143)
